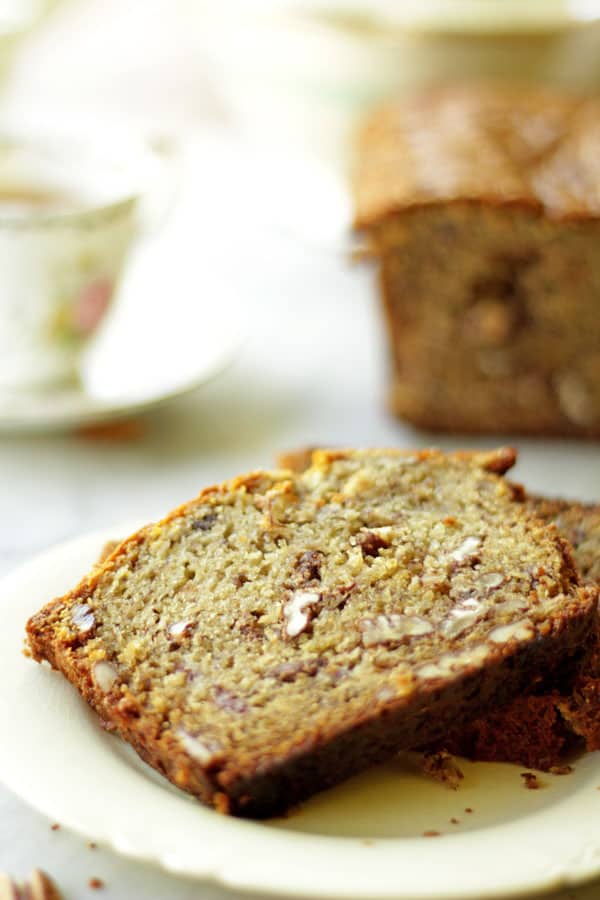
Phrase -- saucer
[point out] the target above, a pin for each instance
(175, 324)
(130, 370)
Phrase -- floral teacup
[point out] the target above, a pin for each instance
(70, 211)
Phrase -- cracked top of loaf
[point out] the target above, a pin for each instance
(495, 145)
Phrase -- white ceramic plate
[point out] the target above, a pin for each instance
(363, 839)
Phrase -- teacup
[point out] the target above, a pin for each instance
(70, 211)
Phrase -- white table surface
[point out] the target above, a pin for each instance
(312, 371)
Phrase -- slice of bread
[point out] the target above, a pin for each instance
(579, 524)
(562, 711)
(538, 728)
(285, 630)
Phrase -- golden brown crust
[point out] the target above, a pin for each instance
(498, 461)
(296, 460)
(499, 146)
(108, 549)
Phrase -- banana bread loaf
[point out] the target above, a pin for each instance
(283, 631)
(482, 208)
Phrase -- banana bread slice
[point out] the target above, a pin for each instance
(537, 729)
(481, 206)
(579, 524)
(285, 630)
(580, 707)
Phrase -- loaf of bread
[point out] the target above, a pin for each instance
(540, 727)
(482, 209)
(283, 631)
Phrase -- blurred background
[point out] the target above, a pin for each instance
(244, 327)
(293, 73)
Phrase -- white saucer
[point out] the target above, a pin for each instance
(363, 839)
(67, 408)
(176, 323)
(166, 336)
